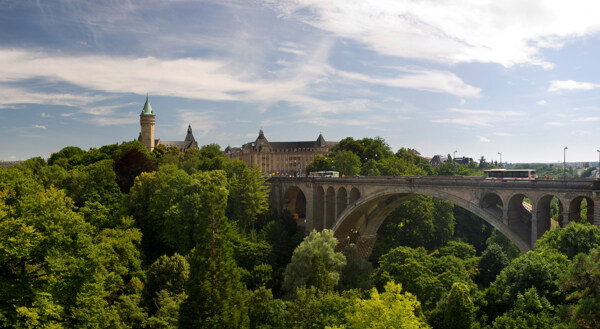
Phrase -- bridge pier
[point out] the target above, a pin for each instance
(596, 215)
(505, 215)
(534, 229)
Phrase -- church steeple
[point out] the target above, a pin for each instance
(189, 137)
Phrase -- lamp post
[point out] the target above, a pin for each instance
(500, 159)
(454, 156)
(565, 162)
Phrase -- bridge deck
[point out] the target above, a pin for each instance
(463, 181)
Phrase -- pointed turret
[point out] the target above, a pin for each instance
(189, 137)
(147, 110)
(321, 141)
(261, 135)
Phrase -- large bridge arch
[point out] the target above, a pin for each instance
(368, 213)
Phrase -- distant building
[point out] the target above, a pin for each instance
(463, 160)
(279, 158)
(147, 120)
(438, 160)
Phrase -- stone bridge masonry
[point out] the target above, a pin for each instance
(355, 207)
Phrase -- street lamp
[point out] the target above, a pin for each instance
(500, 159)
(454, 156)
(565, 162)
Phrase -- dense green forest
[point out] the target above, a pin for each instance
(117, 237)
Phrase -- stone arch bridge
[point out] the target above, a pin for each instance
(355, 207)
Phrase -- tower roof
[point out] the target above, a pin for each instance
(321, 141)
(261, 136)
(190, 137)
(147, 108)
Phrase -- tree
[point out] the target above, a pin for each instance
(455, 310)
(347, 163)
(529, 312)
(356, 272)
(306, 268)
(420, 221)
(94, 183)
(509, 248)
(67, 158)
(427, 277)
(168, 273)
(571, 240)
(313, 308)
(390, 309)
(492, 261)
(248, 196)
(462, 251)
(538, 269)
(264, 311)
(216, 295)
(581, 284)
(320, 163)
(129, 165)
(155, 204)
(54, 269)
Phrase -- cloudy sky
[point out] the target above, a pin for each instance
(479, 77)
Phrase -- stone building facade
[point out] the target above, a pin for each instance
(280, 158)
(147, 121)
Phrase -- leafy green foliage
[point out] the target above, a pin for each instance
(320, 163)
(492, 262)
(306, 269)
(347, 163)
(264, 311)
(421, 221)
(540, 270)
(575, 238)
(313, 308)
(355, 274)
(455, 310)
(131, 164)
(530, 311)
(581, 284)
(427, 277)
(216, 295)
(390, 309)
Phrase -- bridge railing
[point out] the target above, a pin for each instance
(574, 184)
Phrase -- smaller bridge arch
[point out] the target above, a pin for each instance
(342, 200)
(295, 203)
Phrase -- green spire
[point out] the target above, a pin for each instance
(147, 108)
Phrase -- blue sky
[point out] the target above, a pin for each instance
(479, 77)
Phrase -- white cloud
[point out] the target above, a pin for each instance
(13, 95)
(483, 139)
(203, 123)
(541, 102)
(558, 85)
(587, 119)
(428, 80)
(505, 32)
(477, 118)
(39, 127)
(555, 123)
